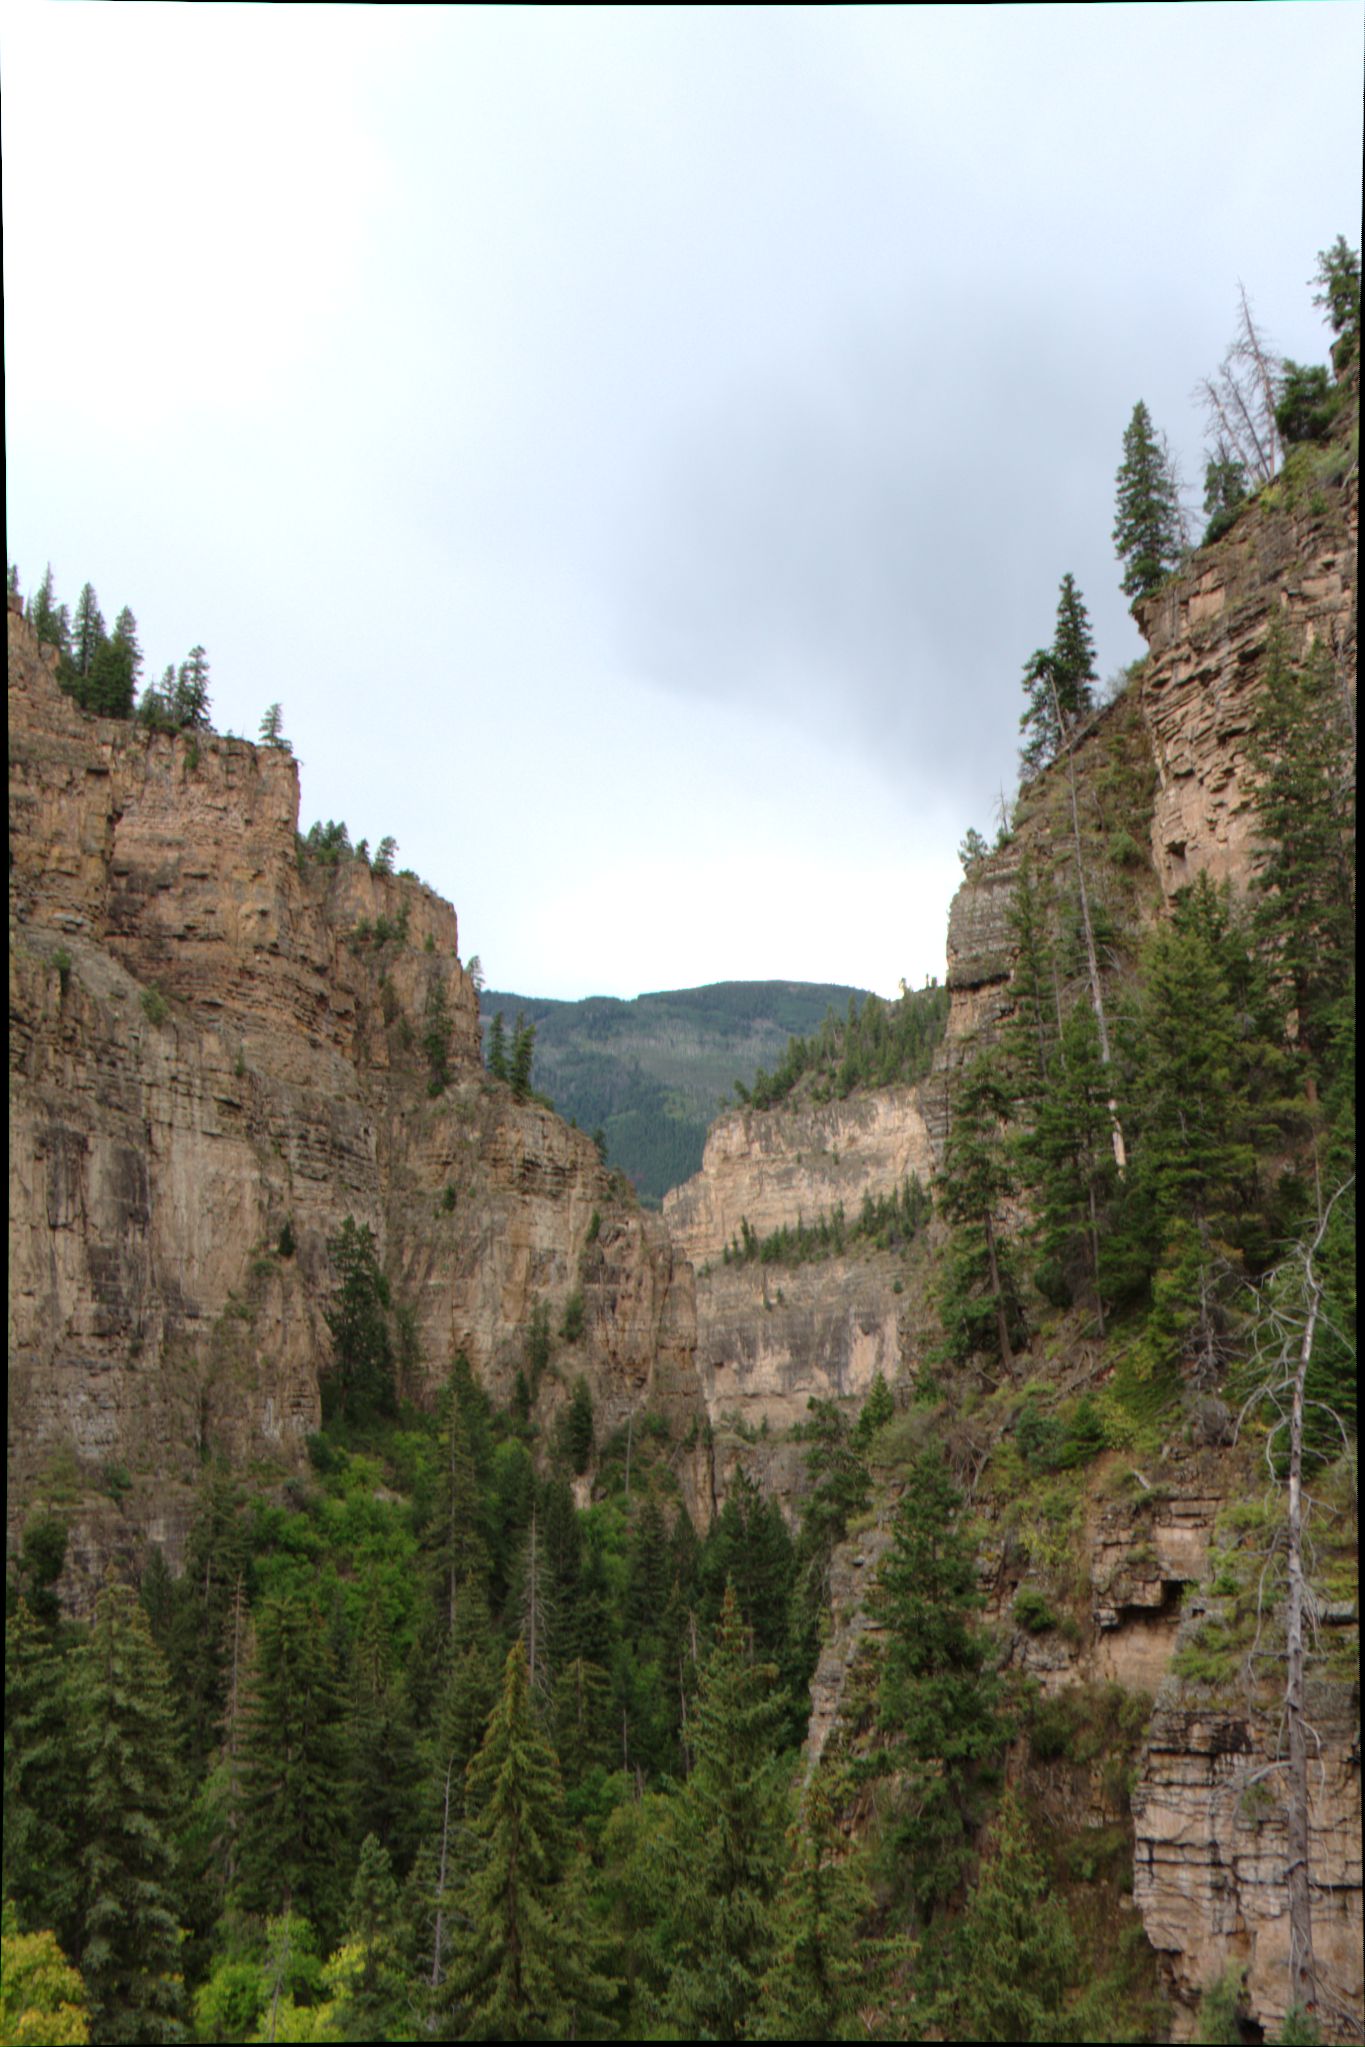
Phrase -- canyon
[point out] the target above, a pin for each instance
(219, 1052)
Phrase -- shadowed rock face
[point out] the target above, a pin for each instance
(205, 1046)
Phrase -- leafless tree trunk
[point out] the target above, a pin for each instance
(1240, 402)
(438, 1937)
(1287, 1327)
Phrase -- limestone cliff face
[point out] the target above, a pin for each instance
(205, 1044)
(772, 1337)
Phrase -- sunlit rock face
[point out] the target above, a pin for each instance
(211, 1040)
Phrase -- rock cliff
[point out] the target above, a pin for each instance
(211, 1039)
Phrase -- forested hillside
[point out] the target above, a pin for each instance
(1013, 1697)
(649, 1074)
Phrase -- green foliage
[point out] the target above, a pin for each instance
(292, 1822)
(730, 1824)
(572, 1327)
(980, 1296)
(155, 1007)
(130, 1938)
(886, 1221)
(1147, 533)
(1032, 1611)
(42, 1999)
(824, 1970)
(44, 1781)
(938, 1697)
(521, 1057)
(1308, 404)
(1338, 279)
(1225, 492)
(1302, 749)
(359, 1385)
(1221, 2008)
(880, 1045)
(1014, 1949)
(972, 851)
(579, 1427)
(497, 1047)
(1059, 682)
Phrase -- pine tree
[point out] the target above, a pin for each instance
(1015, 1951)
(1068, 1152)
(190, 701)
(455, 1534)
(519, 1967)
(1302, 748)
(293, 1770)
(43, 1782)
(1225, 490)
(115, 669)
(272, 729)
(1059, 682)
(730, 1829)
(938, 1697)
(130, 1941)
(824, 1970)
(50, 621)
(87, 632)
(359, 1385)
(980, 1299)
(497, 1046)
(1147, 524)
(523, 1053)
(1338, 279)
(375, 1999)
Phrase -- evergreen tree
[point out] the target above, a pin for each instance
(114, 670)
(130, 1942)
(497, 1046)
(938, 1696)
(1059, 682)
(1225, 490)
(578, 1435)
(1338, 279)
(1016, 1953)
(43, 1783)
(359, 1385)
(521, 1968)
(523, 1053)
(374, 2001)
(50, 621)
(455, 1534)
(1302, 748)
(87, 635)
(1147, 524)
(272, 729)
(979, 1301)
(1072, 1164)
(190, 701)
(824, 1970)
(729, 1854)
(293, 1770)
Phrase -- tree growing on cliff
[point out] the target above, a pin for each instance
(523, 1054)
(1240, 399)
(359, 1384)
(190, 701)
(1338, 280)
(1148, 524)
(50, 621)
(980, 1294)
(1059, 682)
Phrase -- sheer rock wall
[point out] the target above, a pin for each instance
(203, 1046)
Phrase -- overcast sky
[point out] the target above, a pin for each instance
(641, 448)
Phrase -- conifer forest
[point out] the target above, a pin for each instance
(478, 1719)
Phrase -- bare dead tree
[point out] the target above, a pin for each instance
(1289, 1311)
(1239, 402)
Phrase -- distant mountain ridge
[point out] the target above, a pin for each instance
(652, 1072)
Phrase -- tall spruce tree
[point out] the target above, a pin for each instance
(938, 1698)
(824, 1969)
(88, 635)
(1059, 681)
(293, 1827)
(1303, 750)
(731, 1820)
(359, 1385)
(190, 701)
(1147, 523)
(1016, 1954)
(1069, 1154)
(130, 1939)
(43, 1782)
(980, 1294)
(521, 1965)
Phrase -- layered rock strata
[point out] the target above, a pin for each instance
(217, 1049)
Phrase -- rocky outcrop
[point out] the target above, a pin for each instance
(1287, 562)
(770, 1337)
(770, 1167)
(1211, 1854)
(211, 1040)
